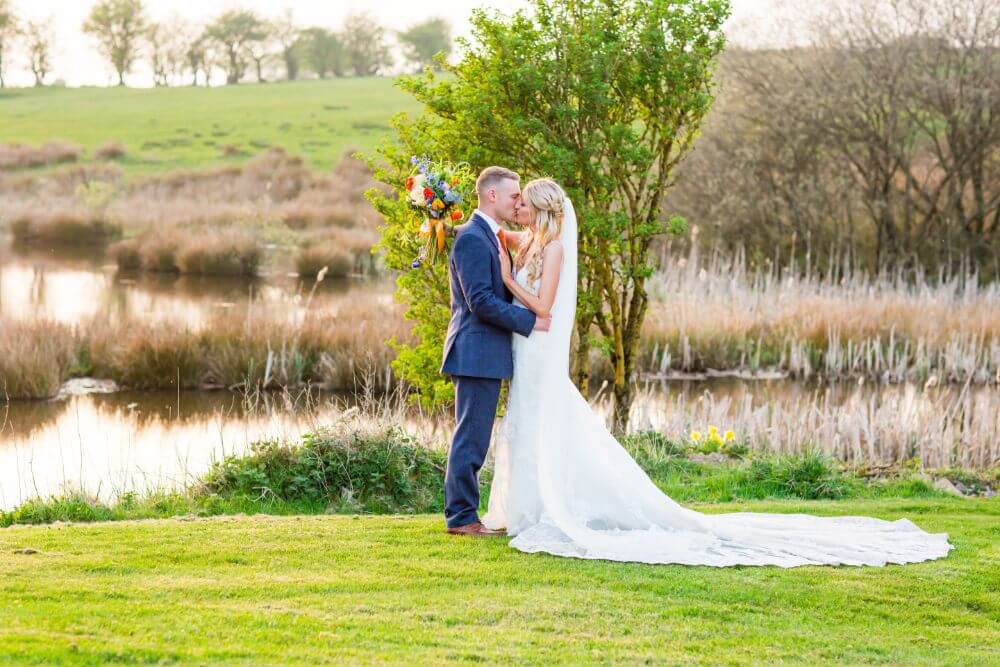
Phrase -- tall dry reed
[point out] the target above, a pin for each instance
(715, 313)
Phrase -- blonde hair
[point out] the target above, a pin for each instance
(548, 199)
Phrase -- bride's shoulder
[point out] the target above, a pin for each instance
(554, 249)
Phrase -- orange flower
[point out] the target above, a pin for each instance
(409, 183)
(454, 181)
(456, 215)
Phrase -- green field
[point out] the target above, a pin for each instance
(336, 589)
(167, 128)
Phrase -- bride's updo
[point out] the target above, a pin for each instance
(548, 200)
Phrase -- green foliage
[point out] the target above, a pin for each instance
(365, 47)
(605, 97)
(358, 471)
(811, 476)
(424, 290)
(654, 452)
(323, 52)
(423, 41)
(233, 32)
(118, 26)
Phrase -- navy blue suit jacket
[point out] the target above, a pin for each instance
(482, 316)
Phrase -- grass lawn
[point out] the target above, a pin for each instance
(338, 589)
(166, 128)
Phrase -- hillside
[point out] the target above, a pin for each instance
(168, 128)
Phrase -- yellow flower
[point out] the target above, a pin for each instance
(438, 204)
(713, 431)
(696, 436)
(730, 436)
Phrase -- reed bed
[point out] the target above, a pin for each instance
(935, 428)
(201, 252)
(66, 224)
(35, 358)
(113, 150)
(251, 346)
(179, 222)
(312, 259)
(19, 156)
(718, 314)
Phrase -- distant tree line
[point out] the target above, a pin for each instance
(240, 43)
(877, 145)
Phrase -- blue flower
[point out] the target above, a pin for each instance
(414, 160)
(415, 264)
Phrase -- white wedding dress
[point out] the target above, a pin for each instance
(563, 485)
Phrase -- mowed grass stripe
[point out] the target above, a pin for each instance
(396, 589)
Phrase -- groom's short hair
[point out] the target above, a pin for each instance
(490, 176)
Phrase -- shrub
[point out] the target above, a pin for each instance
(114, 150)
(62, 224)
(811, 476)
(34, 358)
(126, 255)
(653, 451)
(376, 471)
(311, 259)
(159, 253)
(18, 156)
(219, 254)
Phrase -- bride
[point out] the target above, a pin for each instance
(563, 485)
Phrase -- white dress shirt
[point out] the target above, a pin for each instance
(489, 221)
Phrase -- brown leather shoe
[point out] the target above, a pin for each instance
(476, 529)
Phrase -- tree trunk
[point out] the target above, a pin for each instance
(624, 393)
(583, 356)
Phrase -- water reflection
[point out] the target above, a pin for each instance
(79, 284)
(112, 443)
(109, 443)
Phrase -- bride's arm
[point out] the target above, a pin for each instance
(540, 305)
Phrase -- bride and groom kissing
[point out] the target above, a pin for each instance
(562, 484)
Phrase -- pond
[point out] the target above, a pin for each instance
(110, 443)
(134, 441)
(73, 285)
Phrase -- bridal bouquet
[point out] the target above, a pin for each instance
(436, 190)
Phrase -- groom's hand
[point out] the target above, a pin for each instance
(543, 323)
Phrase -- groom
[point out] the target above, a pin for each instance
(477, 351)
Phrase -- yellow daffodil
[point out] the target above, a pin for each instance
(730, 436)
(696, 436)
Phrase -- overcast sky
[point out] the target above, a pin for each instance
(77, 63)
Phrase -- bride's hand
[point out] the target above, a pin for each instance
(505, 266)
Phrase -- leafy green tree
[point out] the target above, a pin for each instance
(422, 41)
(423, 290)
(234, 31)
(197, 56)
(365, 46)
(287, 34)
(119, 27)
(38, 41)
(8, 31)
(322, 51)
(604, 96)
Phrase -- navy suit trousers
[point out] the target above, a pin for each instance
(475, 408)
